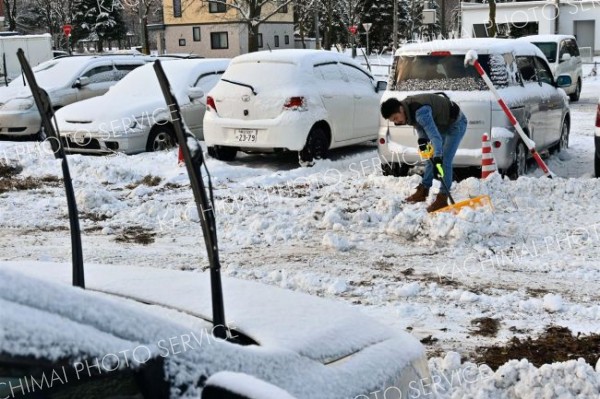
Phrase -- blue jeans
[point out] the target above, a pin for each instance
(451, 139)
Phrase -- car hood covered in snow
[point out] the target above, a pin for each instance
(298, 334)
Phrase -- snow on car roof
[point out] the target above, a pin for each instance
(50, 320)
(545, 38)
(462, 46)
(292, 316)
(142, 81)
(303, 57)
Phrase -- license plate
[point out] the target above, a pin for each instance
(246, 135)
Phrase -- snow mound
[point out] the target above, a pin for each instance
(337, 242)
(98, 200)
(517, 379)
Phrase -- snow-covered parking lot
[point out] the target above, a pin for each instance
(340, 230)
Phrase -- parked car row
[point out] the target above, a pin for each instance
(520, 72)
(309, 101)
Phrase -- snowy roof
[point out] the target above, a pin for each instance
(545, 38)
(301, 57)
(462, 46)
(43, 316)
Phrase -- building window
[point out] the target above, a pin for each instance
(260, 42)
(182, 42)
(276, 41)
(283, 9)
(219, 40)
(286, 39)
(217, 6)
(196, 33)
(177, 8)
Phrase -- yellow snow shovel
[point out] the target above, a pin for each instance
(455, 207)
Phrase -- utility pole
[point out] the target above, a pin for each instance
(317, 38)
(395, 27)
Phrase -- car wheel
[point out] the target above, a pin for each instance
(222, 153)
(316, 147)
(519, 166)
(161, 138)
(395, 169)
(563, 141)
(575, 96)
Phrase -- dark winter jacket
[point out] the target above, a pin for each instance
(444, 111)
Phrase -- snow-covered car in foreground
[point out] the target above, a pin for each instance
(132, 116)
(562, 54)
(67, 80)
(291, 100)
(523, 78)
(129, 321)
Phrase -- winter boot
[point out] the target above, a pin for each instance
(418, 196)
(440, 202)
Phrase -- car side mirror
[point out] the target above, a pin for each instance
(194, 93)
(381, 86)
(231, 385)
(565, 57)
(81, 82)
(564, 80)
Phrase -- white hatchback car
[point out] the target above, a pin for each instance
(563, 56)
(291, 100)
(133, 117)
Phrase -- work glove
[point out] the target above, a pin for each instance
(425, 148)
(438, 170)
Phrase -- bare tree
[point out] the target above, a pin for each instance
(10, 13)
(143, 9)
(51, 15)
(304, 13)
(251, 13)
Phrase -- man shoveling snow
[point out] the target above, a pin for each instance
(438, 121)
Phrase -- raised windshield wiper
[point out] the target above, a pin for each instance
(240, 84)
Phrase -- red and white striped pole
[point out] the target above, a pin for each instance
(471, 59)
(488, 166)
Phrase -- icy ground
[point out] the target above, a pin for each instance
(340, 230)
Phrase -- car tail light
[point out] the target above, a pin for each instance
(497, 144)
(598, 116)
(440, 53)
(295, 104)
(382, 141)
(210, 103)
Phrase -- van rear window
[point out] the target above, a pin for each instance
(549, 50)
(426, 72)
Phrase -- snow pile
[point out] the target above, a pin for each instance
(336, 242)
(517, 379)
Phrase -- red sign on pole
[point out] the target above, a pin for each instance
(67, 30)
(353, 29)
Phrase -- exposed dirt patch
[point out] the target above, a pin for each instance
(13, 183)
(151, 181)
(92, 229)
(556, 344)
(136, 235)
(485, 326)
(94, 217)
(10, 170)
(536, 292)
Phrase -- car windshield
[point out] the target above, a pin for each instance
(549, 50)
(261, 74)
(142, 82)
(54, 73)
(433, 72)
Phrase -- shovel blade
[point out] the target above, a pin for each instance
(475, 202)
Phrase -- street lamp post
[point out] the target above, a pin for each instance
(367, 26)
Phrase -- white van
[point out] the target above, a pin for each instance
(562, 54)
